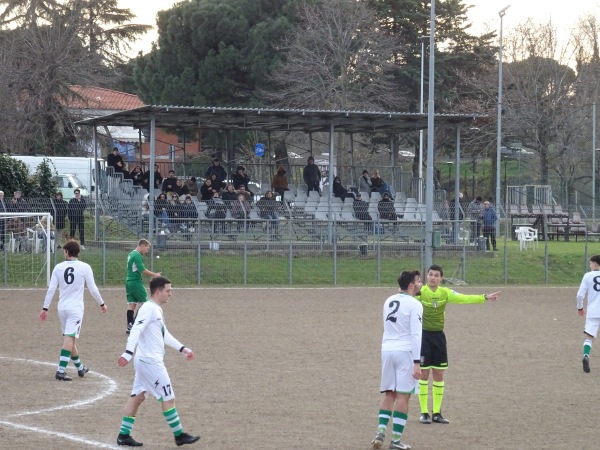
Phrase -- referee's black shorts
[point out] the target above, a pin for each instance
(434, 353)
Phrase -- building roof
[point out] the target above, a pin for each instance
(223, 118)
(101, 99)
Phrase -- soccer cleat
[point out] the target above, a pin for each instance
(425, 418)
(185, 438)
(62, 376)
(82, 371)
(438, 418)
(126, 439)
(586, 364)
(129, 326)
(378, 441)
(397, 445)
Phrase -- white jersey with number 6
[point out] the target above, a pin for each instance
(590, 284)
(70, 277)
(402, 324)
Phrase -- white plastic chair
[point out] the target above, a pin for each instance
(527, 237)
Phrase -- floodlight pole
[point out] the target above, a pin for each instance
(594, 161)
(430, 138)
(499, 136)
(420, 193)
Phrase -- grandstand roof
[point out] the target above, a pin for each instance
(225, 118)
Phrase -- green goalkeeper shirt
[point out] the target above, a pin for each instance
(135, 266)
(434, 305)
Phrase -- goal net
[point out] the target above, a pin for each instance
(27, 240)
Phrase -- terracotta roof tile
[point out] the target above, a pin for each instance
(103, 99)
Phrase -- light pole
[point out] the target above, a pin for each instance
(423, 39)
(499, 136)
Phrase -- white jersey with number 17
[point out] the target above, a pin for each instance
(402, 324)
(70, 277)
(590, 284)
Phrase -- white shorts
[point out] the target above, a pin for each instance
(70, 321)
(591, 326)
(153, 379)
(397, 372)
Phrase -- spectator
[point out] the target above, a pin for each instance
(216, 183)
(206, 191)
(76, 218)
(115, 160)
(137, 176)
(174, 212)
(181, 189)
(267, 207)
(247, 195)
(18, 228)
(217, 210)
(189, 214)
(145, 207)
(42, 232)
(241, 177)
(340, 191)
(229, 195)
(312, 176)
(361, 208)
(489, 225)
(17, 203)
(158, 179)
(386, 208)
(161, 210)
(2, 221)
(59, 213)
(364, 184)
(279, 183)
(452, 208)
(240, 210)
(216, 169)
(378, 185)
(475, 213)
(170, 183)
(192, 186)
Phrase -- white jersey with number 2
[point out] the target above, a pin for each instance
(590, 284)
(70, 277)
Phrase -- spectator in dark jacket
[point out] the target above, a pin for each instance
(181, 189)
(217, 185)
(206, 191)
(76, 218)
(59, 214)
(312, 175)
(115, 160)
(170, 183)
(240, 177)
(386, 208)
(361, 208)
(340, 191)
(158, 179)
(267, 207)
(216, 169)
(137, 176)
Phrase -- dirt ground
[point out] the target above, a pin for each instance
(299, 369)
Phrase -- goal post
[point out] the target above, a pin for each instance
(27, 241)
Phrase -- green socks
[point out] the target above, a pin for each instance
(172, 418)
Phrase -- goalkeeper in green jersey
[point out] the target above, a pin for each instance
(134, 285)
(434, 353)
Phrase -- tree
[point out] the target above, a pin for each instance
(213, 52)
(43, 184)
(13, 175)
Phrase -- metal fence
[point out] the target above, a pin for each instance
(305, 242)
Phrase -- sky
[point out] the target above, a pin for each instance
(563, 13)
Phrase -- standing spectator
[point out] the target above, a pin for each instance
(400, 357)
(240, 177)
(115, 160)
(76, 219)
(70, 277)
(589, 288)
(216, 169)
(158, 179)
(170, 183)
(192, 186)
(489, 225)
(137, 176)
(2, 221)
(206, 191)
(149, 336)
(434, 353)
(267, 207)
(180, 188)
(340, 191)
(475, 212)
(364, 184)
(312, 175)
(377, 183)
(279, 183)
(17, 203)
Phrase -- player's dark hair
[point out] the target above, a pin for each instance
(595, 259)
(407, 277)
(437, 268)
(72, 248)
(158, 283)
(143, 243)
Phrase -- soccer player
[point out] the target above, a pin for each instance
(134, 286)
(149, 335)
(70, 276)
(434, 353)
(590, 286)
(400, 357)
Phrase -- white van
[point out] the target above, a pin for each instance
(67, 183)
